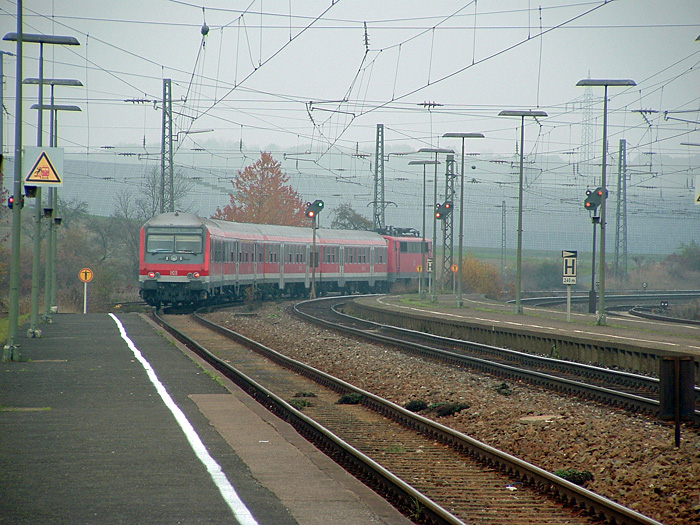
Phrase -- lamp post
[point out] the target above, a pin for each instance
(522, 113)
(597, 82)
(433, 280)
(52, 206)
(50, 209)
(461, 208)
(421, 281)
(11, 351)
(20, 37)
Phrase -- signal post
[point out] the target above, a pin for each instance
(312, 210)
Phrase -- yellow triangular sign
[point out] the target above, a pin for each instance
(43, 172)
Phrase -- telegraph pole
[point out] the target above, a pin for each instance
(166, 149)
(379, 204)
(11, 350)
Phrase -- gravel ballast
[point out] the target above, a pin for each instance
(632, 459)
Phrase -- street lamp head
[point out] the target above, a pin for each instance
(43, 39)
(54, 81)
(458, 135)
(522, 113)
(423, 162)
(55, 107)
(595, 82)
(436, 150)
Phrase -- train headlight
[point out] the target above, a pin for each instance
(152, 275)
(196, 275)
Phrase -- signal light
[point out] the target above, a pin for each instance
(11, 201)
(443, 210)
(594, 198)
(30, 191)
(313, 208)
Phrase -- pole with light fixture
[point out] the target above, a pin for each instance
(51, 207)
(49, 212)
(11, 350)
(437, 151)
(461, 208)
(605, 82)
(421, 281)
(41, 40)
(519, 257)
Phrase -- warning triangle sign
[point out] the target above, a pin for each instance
(43, 173)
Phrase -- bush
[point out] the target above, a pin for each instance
(481, 277)
(416, 405)
(448, 409)
(350, 399)
(580, 477)
(300, 404)
(504, 389)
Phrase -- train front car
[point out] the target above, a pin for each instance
(174, 260)
(406, 257)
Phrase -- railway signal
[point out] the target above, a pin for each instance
(443, 210)
(594, 198)
(11, 201)
(314, 208)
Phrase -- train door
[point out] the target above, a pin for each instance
(341, 268)
(237, 259)
(282, 253)
(258, 250)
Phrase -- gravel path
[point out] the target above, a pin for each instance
(633, 459)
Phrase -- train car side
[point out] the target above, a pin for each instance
(187, 259)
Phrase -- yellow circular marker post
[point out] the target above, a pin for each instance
(85, 275)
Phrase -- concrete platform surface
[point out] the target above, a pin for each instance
(104, 424)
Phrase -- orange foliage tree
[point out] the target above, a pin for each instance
(480, 277)
(261, 195)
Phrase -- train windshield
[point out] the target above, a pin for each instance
(178, 243)
(188, 243)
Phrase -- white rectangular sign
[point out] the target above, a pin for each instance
(569, 266)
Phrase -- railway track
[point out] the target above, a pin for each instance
(632, 392)
(433, 473)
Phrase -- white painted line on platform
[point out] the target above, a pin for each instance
(240, 511)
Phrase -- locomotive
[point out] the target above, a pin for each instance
(186, 259)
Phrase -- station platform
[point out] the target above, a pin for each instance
(106, 420)
(620, 329)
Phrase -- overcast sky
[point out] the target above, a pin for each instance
(316, 76)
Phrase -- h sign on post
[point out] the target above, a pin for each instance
(569, 277)
(569, 266)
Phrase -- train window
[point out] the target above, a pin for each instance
(159, 243)
(272, 251)
(410, 247)
(330, 254)
(188, 244)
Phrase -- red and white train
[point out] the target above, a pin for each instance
(186, 259)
